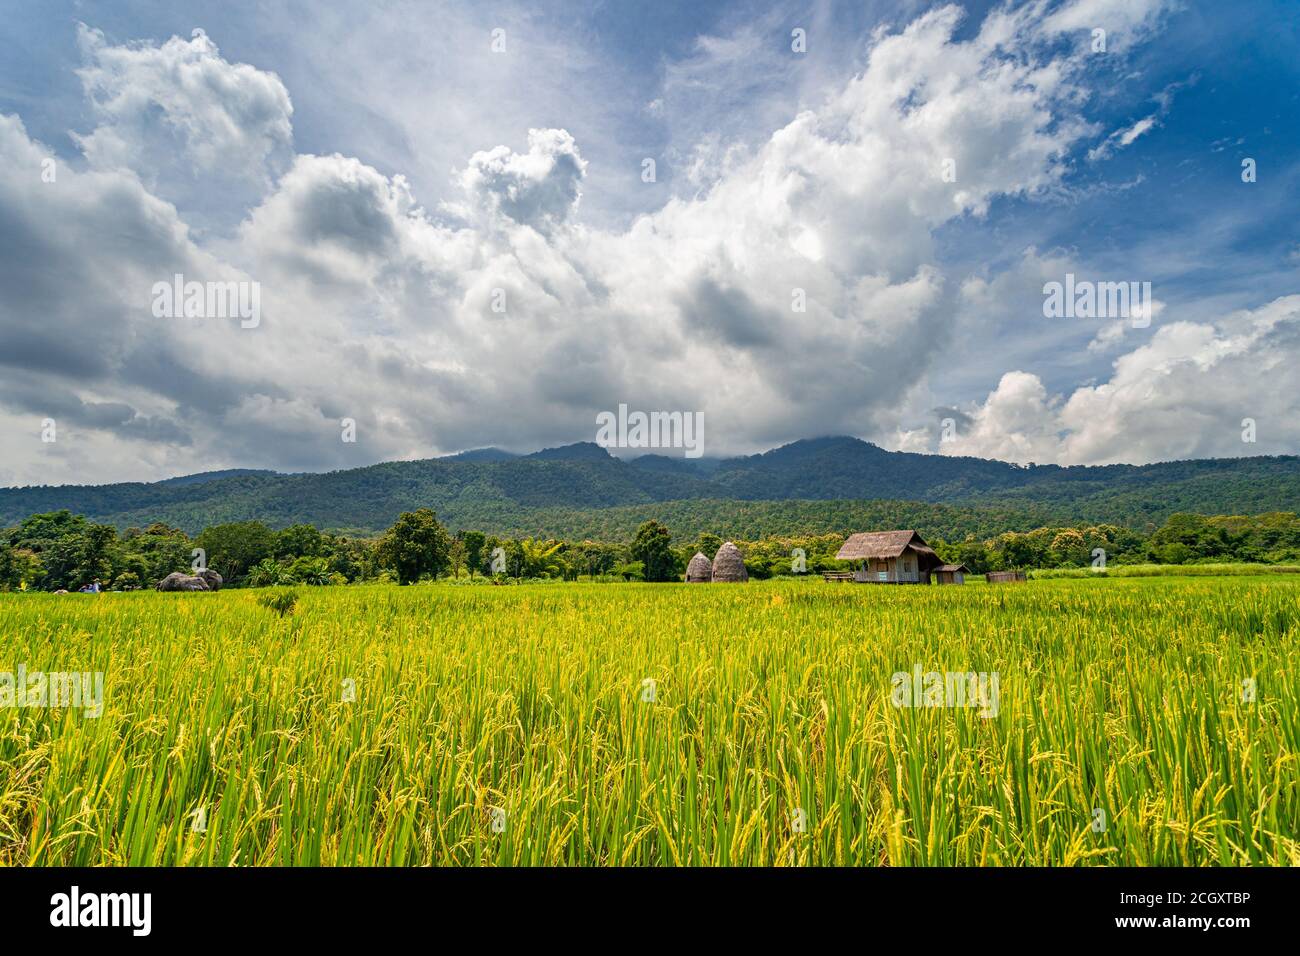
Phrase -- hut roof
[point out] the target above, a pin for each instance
(729, 564)
(953, 567)
(886, 544)
(700, 568)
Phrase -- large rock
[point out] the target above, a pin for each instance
(183, 582)
(212, 578)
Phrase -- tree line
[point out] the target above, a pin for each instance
(60, 550)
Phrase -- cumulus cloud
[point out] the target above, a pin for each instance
(332, 219)
(180, 116)
(539, 188)
(796, 294)
(1185, 394)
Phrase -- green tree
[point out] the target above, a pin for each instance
(514, 558)
(98, 549)
(416, 545)
(1069, 548)
(298, 541)
(456, 556)
(708, 545)
(155, 552)
(352, 558)
(631, 571)
(126, 581)
(474, 541)
(46, 527)
(653, 549)
(267, 573)
(310, 570)
(231, 549)
(28, 571)
(540, 559)
(974, 554)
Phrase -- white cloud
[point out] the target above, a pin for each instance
(539, 188)
(1122, 137)
(379, 309)
(1184, 394)
(180, 116)
(1015, 423)
(1125, 21)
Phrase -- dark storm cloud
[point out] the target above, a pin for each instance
(729, 315)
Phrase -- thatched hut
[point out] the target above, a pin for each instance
(700, 570)
(890, 557)
(729, 564)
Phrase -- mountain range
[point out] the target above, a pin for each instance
(822, 484)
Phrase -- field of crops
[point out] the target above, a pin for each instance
(1136, 721)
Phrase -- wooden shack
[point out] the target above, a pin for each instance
(950, 574)
(1005, 577)
(889, 557)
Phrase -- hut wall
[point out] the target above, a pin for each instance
(907, 569)
(1004, 577)
(904, 570)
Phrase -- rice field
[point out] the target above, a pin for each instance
(1136, 722)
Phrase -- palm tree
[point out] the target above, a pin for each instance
(268, 572)
(540, 557)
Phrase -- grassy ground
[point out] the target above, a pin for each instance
(516, 726)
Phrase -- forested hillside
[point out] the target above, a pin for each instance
(819, 485)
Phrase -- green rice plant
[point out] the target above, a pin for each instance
(281, 601)
(1138, 721)
(1167, 570)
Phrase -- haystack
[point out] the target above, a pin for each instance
(699, 571)
(729, 564)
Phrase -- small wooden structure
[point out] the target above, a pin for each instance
(889, 557)
(837, 575)
(950, 574)
(1005, 577)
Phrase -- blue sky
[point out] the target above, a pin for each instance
(373, 170)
